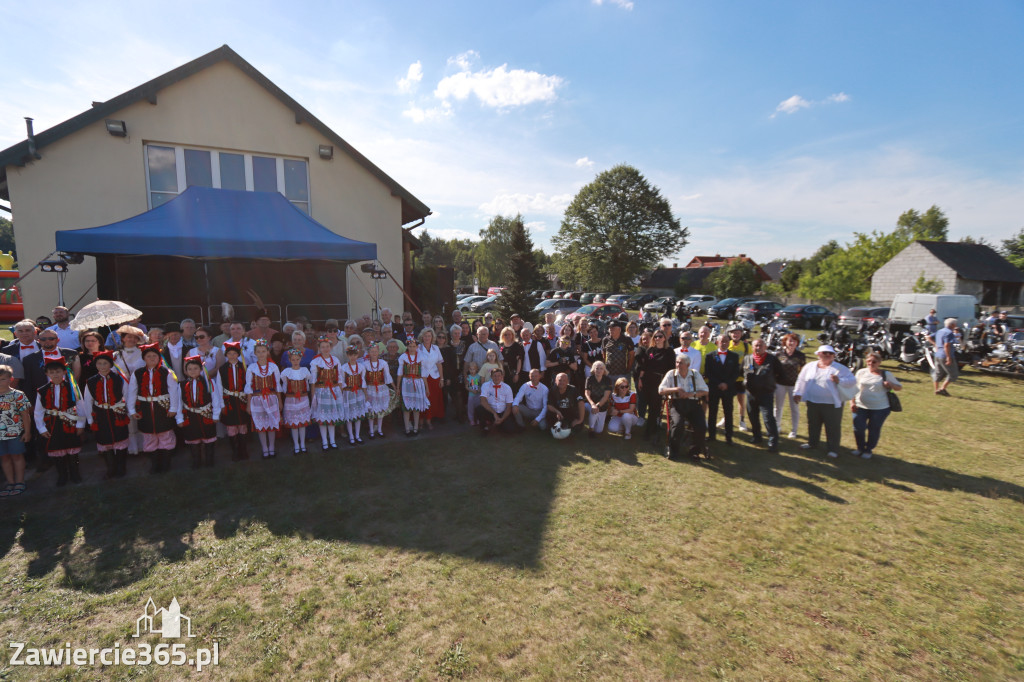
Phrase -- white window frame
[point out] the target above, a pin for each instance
(179, 168)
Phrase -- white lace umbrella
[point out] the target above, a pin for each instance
(104, 314)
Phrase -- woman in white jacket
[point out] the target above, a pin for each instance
(818, 385)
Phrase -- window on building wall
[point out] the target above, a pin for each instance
(170, 170)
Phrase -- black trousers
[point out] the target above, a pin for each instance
(652, 403)
(716, 396)
(680, 412)
(485, 418)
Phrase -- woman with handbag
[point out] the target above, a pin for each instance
(824, 385)
(874, 401)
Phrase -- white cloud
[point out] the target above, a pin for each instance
(792, 105)
(412, 78)
(584, 163)
(465, 60)
(446, 233)
(510, 204)
(500, 87)
(796, 103)
(536, 226)
(624, 4)
(419, 115)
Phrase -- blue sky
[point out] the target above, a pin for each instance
(769, 127)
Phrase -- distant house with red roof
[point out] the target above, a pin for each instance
(663, 280)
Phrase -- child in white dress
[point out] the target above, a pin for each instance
(353, 378)
(295, 386)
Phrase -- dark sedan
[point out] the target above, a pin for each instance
(759, 309)
(637, 301)
(726, 308)
(806, 316)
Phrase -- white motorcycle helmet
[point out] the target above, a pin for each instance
(558, 432)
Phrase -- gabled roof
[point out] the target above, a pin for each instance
(717, 261)
(19, 154)
(774, 269)
(666, 278)
(977, 262)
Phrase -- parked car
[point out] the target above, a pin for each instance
(852, 317)
(638, 301)
(617, 299)
(587, 299)
(806, 315)
(596, 310)
(560, 294)
(464, 304)
(548, 293)
(702, 301)
(494, 291)
(726, 308)
(553, 305)
(761, 310)
(574, 295)
(484, 305)
(660, 306)
(537, 294)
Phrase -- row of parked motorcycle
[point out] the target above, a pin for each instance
(987, 348)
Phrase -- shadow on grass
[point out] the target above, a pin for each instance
(484, 499)
(791, 470)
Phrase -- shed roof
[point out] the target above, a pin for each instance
(978, 262)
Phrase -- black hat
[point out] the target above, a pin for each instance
(172, 327)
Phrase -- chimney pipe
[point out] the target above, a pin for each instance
(31, 139)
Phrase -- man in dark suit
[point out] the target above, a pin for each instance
(722, 370)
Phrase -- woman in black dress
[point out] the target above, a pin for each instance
(658, 359)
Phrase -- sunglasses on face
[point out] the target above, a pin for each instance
(44, 339)
(202, 336)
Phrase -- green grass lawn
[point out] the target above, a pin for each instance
(513, 558)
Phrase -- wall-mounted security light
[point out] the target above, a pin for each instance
(116, 128)
(326, 152)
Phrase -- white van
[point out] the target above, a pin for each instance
(908, 309)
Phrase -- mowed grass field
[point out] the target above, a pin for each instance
(525, 558)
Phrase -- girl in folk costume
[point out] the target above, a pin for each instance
(328, 401)
(104, 407)
(413, 387)
(353, 379)
(201, 404)
(295, 383)
(126, 361)
(154, 400)
(262, 383)
(231, 384)
(432, 371)
(378, 395)
(58, 420)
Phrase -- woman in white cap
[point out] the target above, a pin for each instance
(818, 385)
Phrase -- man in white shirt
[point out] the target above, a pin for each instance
(531, 403)
(67, 337)
(174, 351)
(237, 332)
(535, 354)
(683, 387)
(696, 357)
(495, 408)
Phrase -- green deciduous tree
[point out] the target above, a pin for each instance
(494, 251)
(932, 225)
(7, 238)
(522, 273)
(738, 278)
(924, 285)
(1013, 249)
(844, 273)
(457, 254)
(616, 228)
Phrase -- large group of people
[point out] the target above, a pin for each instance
(157, 389)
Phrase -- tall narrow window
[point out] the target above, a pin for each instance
(296, 184)
(264, 174)
(232, 171)
(163, 174)
(198, 171)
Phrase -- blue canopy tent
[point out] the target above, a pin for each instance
(203, 222)
(205, 246)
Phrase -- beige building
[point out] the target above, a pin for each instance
(214, 122)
